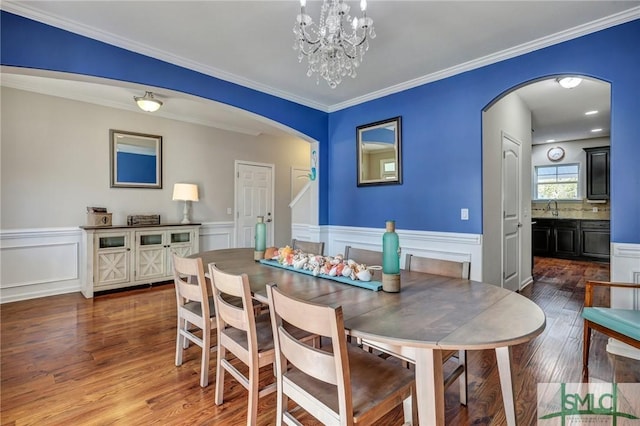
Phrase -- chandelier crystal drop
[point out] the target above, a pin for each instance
(336, 45)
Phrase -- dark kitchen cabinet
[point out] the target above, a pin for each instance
(598, 173)
(556, 238)
(541, 237)
(566, 238)
(571, 239)
(595, 236)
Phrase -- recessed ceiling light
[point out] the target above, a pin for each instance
(592, 112)
(550, 140)
(596, 130)
(569, 82)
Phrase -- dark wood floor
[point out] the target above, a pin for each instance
(67, 360)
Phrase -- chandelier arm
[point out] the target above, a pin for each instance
(310, 52)
(305, 36)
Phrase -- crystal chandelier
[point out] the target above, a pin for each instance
(335, 47)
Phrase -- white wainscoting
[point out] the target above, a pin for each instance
(217, 235)
(441, 245)
(39, 262)
(625, 268)
(45, 262)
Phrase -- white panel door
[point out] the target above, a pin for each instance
(254, 197)
(511, 222)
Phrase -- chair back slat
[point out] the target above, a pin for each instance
(314, 362)
(368, 257)
(225, 285)
(310, 247)
(184, 270)
(232, 315)
(309, 317)
(447, 268)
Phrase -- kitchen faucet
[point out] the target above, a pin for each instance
(554, 212)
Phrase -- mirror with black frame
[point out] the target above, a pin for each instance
(379, 152)
(136, 160)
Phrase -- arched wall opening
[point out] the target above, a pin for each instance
(197, 118)
(530, 113)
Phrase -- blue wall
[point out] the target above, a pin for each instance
(442, 138)
(442, 122)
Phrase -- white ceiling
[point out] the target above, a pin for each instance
(250, 43)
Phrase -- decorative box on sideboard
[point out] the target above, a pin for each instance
(127, 256)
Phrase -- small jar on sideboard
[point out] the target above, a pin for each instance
(126, 256)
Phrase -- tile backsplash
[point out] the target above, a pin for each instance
(571, 210)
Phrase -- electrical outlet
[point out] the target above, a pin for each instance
(464, 214)
(595, 210)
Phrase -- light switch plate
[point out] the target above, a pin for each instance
(464, 214)
(229, 211)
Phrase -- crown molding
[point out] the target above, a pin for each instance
(550, 40)
(112, 39)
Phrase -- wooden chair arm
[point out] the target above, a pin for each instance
(589, 285)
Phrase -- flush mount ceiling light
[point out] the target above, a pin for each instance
(147, 102)
(335, 46)
(569, 82)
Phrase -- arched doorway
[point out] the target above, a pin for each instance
(537, 116)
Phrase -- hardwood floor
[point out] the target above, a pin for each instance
(67, 360)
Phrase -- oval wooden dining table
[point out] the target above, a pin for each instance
(430, 314)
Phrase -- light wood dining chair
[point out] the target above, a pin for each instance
(447, 268)
(437, 267)
(367, 257)
(240, 332)
(310, 247)
(194, 308)
(338, 384)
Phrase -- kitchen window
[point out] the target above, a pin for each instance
(558, 182)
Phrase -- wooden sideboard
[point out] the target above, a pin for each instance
(125, 256)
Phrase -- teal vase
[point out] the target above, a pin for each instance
(390, 250)
(261, 238)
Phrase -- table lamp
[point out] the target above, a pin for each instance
(185, 192)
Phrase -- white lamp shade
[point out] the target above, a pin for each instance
(185, 192)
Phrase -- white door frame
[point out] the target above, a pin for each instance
(236, 171)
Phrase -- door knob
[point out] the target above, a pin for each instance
(519, 225)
